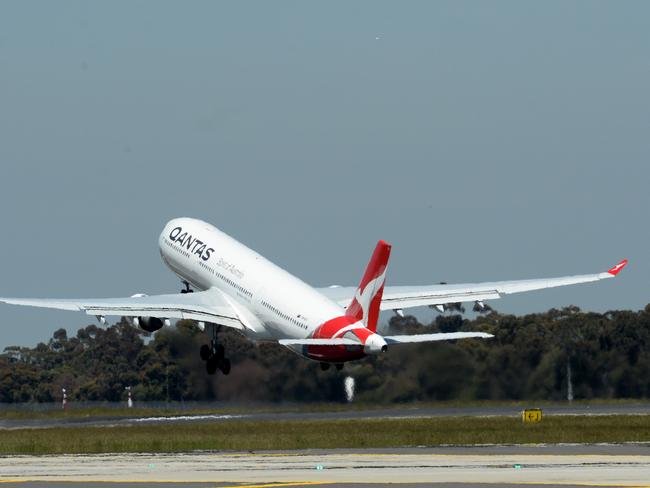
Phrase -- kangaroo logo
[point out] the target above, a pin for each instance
(367, 298)
(364, 297)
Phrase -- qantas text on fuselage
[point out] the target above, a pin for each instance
(192, 244)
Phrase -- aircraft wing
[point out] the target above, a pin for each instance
(319, 342)
(207, 306)
(400, 297)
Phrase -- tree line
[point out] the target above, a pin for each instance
(543, 356)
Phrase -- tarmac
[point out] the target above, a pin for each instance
(563, 465)
(399, 412)
(461, 467)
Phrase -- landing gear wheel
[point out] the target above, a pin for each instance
(211, 365)
(324, 366)
(187, 288)
(205, 352)
(219, 352)
(224, 366)
(214, 354)
(339, 366)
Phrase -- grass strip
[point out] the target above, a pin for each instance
(73, 411)
(366, 433)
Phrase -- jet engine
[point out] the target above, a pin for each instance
(149, 324)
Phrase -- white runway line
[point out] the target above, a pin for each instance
(181, 418)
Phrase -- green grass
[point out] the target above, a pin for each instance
(81, 412)
(242, 436)
(74, 411)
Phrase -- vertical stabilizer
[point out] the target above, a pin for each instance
(366, 301)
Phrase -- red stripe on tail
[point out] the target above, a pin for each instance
(367, 299)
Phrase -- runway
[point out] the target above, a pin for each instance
(392, 412)
(462, 467)
(127, 484)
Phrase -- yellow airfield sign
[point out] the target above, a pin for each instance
(531, 415)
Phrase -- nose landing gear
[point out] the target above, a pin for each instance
(187, 288)
(214, 354)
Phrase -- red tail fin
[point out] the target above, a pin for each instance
(366, 301)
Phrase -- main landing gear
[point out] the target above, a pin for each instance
(187, 288)
(214, 354)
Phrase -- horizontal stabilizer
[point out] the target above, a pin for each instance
(400, 339)
(443, 336)
(319, 342)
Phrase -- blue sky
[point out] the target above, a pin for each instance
(485, 141)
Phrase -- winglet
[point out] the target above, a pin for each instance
(617, 269)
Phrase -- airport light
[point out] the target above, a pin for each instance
(349, 388)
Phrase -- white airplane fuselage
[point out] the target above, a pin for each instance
(271, 301)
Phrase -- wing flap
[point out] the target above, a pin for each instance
(399, 300)
(207, 306)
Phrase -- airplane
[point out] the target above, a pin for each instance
(227, 284)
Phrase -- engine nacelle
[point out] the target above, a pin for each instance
(148, 324)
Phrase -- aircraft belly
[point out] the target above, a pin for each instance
(332, 354)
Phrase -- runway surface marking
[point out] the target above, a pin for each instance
(179, 418)
(271, 485)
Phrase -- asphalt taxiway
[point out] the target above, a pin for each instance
(641, 408)
(531, 465)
